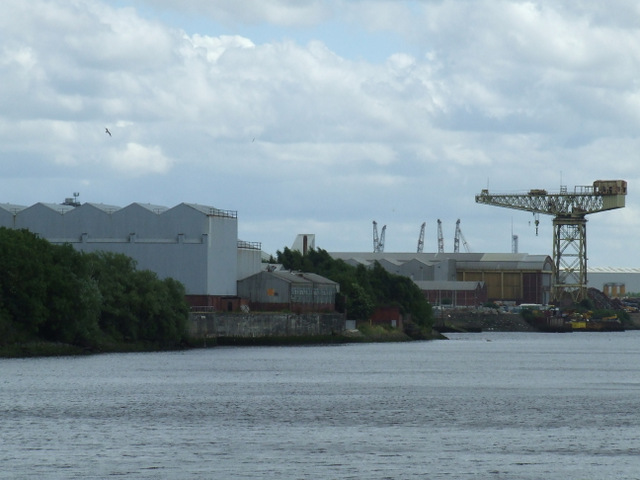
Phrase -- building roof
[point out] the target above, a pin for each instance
(212, 211)
(299, 277)
(12, 207)
(157, 209)
(151, 207)
(56, 207)
(613, 270)
(503, 261)
(448, 285)
(104, 207)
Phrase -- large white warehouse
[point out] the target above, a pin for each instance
(195, 244)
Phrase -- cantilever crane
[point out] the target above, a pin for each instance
(570, 226)
(421, 238)
(378, 243)
(456, 240)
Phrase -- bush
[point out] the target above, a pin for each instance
(57, 294)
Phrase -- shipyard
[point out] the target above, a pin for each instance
(224, 275)
(364, 240)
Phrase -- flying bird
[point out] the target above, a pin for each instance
(107, 131)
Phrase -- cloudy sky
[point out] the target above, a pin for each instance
(321, 116)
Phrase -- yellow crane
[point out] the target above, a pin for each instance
(569, 226)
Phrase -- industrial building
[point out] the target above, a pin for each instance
(284, 290)
(195, 244)
(614, 282)
(467, 278)
(198, 246)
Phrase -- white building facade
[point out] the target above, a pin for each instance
(194, 244)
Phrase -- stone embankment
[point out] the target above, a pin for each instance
(476, 321)
(216, 325)
(491, 320)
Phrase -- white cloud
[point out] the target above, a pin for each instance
(515, 94)
(277, 12)
(137, 160)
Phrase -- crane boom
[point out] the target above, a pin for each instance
(600, 196)
(378, 242)
(570, 234)
(457, 237)
(421, 238)
(440, 238)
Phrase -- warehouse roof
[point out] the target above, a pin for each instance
(502, 261)
(12, 207)
(613, 270)
(449, 285)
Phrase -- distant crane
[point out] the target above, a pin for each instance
(440, 238)
(456, 239)
(421, 238)
(514, 243)
(381, 244)
(378, 243)
(570, 226)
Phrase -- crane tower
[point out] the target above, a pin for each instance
(440, 238)
(569, 226)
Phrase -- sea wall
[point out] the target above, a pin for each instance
(481, 321)
(255, 325)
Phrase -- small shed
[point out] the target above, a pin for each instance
(287, 290)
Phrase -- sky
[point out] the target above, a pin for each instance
(322, 116)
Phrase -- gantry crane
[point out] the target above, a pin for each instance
(440, 238)
(456, 240)
(378, 243)
(569, 224)
(421, 238)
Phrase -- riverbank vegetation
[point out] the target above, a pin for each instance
(55, 300)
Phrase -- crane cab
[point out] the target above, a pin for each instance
(612, 191)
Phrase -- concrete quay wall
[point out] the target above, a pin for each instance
(254, 325)
(477, 321)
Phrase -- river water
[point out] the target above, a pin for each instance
(479, 406)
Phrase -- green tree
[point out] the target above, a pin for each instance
(25, 262)
(114, 275)
(52, 292)
(73, 299)
(359, 286)
(360, 305)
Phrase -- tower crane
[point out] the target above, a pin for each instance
(378, 243)
(421, 237)
(456, 240)
(440, 238)
(569, 226)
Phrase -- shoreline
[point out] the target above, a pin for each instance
(39, 348)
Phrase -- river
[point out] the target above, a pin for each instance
(478, 406)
